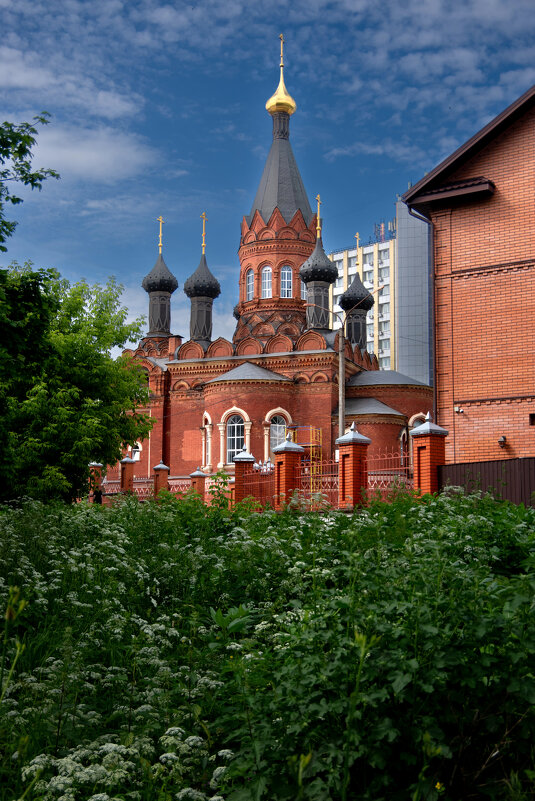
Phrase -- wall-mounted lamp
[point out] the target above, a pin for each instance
(458, 409)
(502, 441)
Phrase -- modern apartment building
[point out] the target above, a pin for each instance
(397, 267)
(376, 266)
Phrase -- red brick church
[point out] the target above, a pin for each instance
(209, 398)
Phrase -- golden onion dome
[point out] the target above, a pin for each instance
(282, 99)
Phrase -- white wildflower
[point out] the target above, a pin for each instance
(194, 742)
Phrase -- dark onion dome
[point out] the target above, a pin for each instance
(318, 266)
(160, 278)
(357, 296)
(202, 283)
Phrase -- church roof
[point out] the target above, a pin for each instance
(369, 378)
(249, 372)
(369, 406)
(202, 283)
(281, 185)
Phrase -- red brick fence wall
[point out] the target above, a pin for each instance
(343, 484)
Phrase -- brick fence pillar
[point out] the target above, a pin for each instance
(198, 481)
(161, 478)
(241, 460)
(287, 458)
(127, 474)
(95, 482)
(352, 468)
(428, 452)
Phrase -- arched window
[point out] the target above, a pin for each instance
(416, 421)
(249, 285)
(135, 452)
(235, 438)
(286, 282)
(277, 431)
(303, 290)
(266, 282)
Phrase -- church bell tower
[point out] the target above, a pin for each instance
(276, 237)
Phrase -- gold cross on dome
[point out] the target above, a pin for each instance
(161, 221)
(281, 37)
(203, 218)
(357, 237)
(318, 218)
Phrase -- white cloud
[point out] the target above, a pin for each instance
(20, 72)
(101, 155)
(403, 151)
(48, 80)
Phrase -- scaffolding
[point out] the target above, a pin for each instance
(309, 437)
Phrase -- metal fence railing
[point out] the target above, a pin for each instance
(259, 483)
(389, 471)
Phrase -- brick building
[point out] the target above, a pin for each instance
(209, 398)
(481, 202)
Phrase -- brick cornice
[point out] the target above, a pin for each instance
(499, 399)
(490, 268)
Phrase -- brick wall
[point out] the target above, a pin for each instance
(485, 304)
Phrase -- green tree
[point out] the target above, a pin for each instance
(16, 143)
(64, 400)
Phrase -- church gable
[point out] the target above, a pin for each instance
(311, 340)
(248, 347)
(191, 350)
(277, 221)
(220, 347)
(263, 330)
(257, 223)
(279, 344)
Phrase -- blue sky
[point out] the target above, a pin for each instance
(158, 108)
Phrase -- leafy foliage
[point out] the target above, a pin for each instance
(173, 651)
(16, 143)
(64, 401)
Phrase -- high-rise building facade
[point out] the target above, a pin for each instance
(413, 343)
(396, 269)
(375, 263)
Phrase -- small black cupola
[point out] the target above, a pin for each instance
(356, 301)
(318, 273)
(160, 284)
(201, 288)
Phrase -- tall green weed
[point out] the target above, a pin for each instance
(175, 651)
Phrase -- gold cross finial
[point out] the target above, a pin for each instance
(203, 218)
(161, 221)
(357, 237)
(318, 218)
(281, 37)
